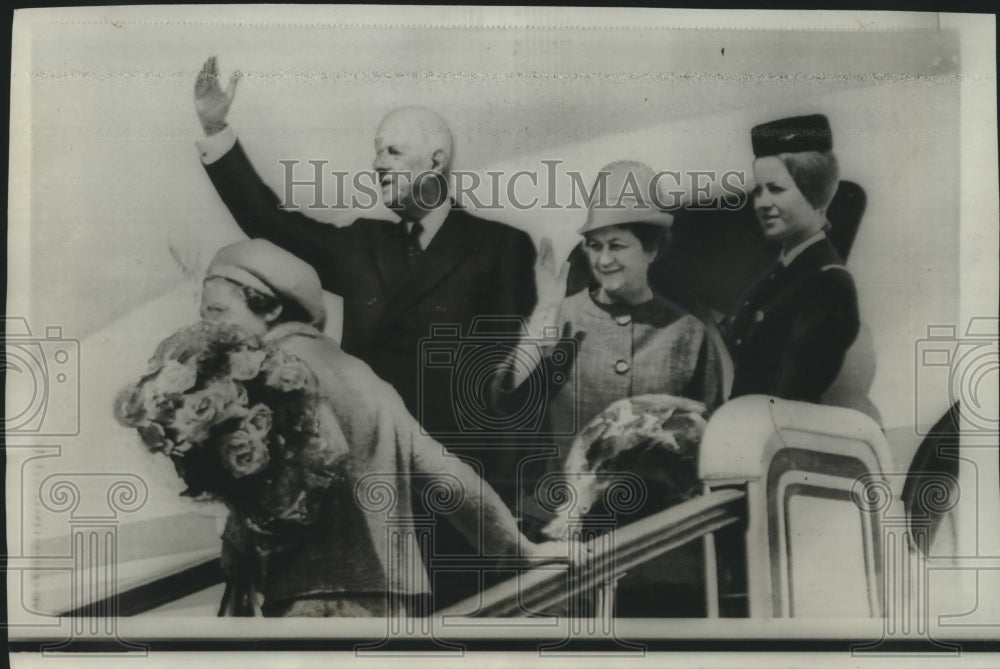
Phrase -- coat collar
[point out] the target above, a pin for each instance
(786, 259)
(283, 331)
(778, 277)
(815, 254)
(431, 223)
(657, 311)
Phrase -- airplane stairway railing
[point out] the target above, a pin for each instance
(802, 488)
(612, 555)
(789, 505)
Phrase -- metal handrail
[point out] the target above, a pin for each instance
(613, 555)
(532, 590)
(162, 590)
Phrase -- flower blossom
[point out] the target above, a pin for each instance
(288, 373)
(200, 410)
(244, 453)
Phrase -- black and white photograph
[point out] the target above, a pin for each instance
(506, 336)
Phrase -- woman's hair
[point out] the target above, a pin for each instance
(816, 174)
(653, 237)
(262, 303)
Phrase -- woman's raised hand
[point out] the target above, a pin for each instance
(550, 283)
(210, 101)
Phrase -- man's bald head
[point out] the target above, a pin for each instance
(411, 144)
(421, 126)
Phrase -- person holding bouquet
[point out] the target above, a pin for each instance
(315, 456)
(619, 340)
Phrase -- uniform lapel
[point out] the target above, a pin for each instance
(753, 295)
(784, 282)
(816, 255)
(780, 281)
(780, 277)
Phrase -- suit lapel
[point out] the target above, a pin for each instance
(447, 249)
(390, 259)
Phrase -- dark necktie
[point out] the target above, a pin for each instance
(413, 248)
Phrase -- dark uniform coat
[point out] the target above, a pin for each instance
(792, 328)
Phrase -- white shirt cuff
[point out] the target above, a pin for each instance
(212, 148)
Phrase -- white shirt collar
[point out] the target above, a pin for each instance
(793, 253)
(432, 222)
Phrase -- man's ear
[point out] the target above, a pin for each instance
(438, 160)
(272, 315)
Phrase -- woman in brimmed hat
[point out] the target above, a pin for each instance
(259, 286)
(620, 339)
(349, 559)
(793, 326)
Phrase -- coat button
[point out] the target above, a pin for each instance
(621, 367)
(758, 317)
(623, 319)
(739, 342)
(371, 301)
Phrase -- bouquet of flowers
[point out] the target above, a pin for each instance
(243, 423)
(649, 438)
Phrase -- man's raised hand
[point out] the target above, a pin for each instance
(210, 101)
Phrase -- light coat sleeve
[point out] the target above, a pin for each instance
(479, 512)
(381, 430)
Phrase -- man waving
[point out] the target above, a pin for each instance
(438, 265)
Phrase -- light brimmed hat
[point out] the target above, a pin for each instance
(271, 270)
(628, 196)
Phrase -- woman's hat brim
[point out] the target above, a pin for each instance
(598, 218)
